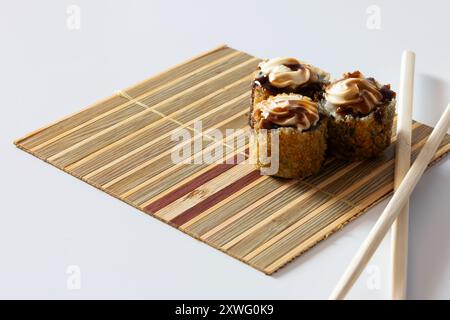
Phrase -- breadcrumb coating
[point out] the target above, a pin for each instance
(356, 138)
(301, 154)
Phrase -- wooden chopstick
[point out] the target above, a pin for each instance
(399, 241)
(393, 208)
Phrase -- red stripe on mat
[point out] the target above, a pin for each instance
(215, 198)
(190, 186)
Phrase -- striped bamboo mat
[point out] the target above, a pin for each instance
(122, 145)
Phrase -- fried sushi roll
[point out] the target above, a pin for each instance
(301, 135)
(361, 112)
(288, 75)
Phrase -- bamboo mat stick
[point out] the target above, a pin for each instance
(393, 208)
(399, 241)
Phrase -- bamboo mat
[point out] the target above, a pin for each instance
(122, 145)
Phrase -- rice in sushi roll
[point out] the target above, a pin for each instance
(361, 113)
(301, 132)
(288, 75)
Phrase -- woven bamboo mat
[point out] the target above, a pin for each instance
(122, 145)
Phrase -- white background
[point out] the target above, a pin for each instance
(49, 220)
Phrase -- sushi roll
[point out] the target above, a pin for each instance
(287, 75)
(301, 133)
(360, 112)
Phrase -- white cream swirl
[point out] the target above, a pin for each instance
(285, 72)
(353, 93)
(291, 73)
(287, 110)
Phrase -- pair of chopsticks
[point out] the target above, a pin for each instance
(406, 178)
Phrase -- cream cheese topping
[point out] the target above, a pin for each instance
(291, 110)
(353, 93)
(286, 72)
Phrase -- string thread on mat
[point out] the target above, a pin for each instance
(124, 94)
(348, 202)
